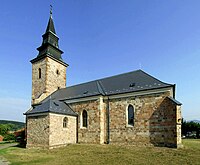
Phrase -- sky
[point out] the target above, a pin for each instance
(102, 38)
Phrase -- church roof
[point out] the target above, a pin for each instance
(124, 83)
(53, 106)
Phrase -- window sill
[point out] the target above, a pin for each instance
(83, 128)
(129, 126)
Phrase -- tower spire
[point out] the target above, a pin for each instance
(50, 45)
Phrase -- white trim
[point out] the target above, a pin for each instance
(81, 99)
(147, 92)
(115, 96)
(49, 113)
(37, 114)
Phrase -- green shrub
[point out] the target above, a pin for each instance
(9, 137)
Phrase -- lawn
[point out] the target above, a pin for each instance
(106, 154)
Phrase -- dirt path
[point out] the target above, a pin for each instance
(7, 145)
(3, 161)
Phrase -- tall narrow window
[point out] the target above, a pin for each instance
(130, 115)
(84, 117)
(57, 72)
(39, 72)
(65, 120)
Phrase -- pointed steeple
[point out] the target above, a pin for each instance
(50, 26)
(50, 45)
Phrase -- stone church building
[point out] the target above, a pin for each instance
(130, 108)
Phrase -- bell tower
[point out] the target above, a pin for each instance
(48, 68)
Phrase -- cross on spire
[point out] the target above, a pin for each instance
(51, 7)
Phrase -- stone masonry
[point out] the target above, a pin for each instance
(92, 133)
(37, 131)
(47, 131)
(59, 136)
(157, 120)
(53, 77)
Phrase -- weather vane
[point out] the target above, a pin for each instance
(51, 7)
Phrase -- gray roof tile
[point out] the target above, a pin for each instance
(53, 106)
(128, 82)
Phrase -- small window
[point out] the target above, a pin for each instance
(84, 117)
(39, 73)
(65, 120)
(130, 115)
(57, 72)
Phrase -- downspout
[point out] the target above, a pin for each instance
(108, 121)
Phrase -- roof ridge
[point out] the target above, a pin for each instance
(100, 87)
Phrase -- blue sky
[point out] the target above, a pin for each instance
(102, 38)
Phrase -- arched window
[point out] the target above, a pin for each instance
(84, 118)
(130, 115)
(39, 73)
(65, 120)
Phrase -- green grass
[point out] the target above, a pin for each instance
(106, 154)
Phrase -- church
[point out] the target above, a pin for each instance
(130, 108)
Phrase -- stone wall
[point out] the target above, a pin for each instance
(155, 120)
(47, 131)
(37, 131)
(38, 84)
(53, 76)
(163, 124)
(94, 133)
(56, 76)
(60, 136)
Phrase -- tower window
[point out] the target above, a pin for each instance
(39, 73)
(57, 72)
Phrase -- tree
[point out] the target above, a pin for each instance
(4, 131)
(189, 127)
(5, 128)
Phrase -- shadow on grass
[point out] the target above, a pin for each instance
(21, 145)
